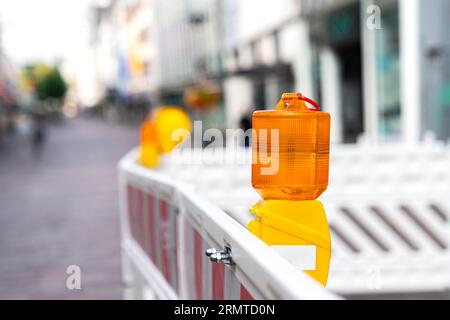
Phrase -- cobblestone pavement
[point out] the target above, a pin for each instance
(61, 209)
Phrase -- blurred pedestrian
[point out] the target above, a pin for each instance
(39, 131)
(246, 124)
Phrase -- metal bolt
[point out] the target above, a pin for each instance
(210, 252)
(220, 256)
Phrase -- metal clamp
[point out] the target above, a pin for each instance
(220, 255)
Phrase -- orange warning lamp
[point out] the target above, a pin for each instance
(149, 144)
(291, 150)
(159, 133)
(291, 147)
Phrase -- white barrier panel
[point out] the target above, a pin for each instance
(388, 208)
(167, 226)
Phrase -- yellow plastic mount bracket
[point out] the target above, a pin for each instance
(286, 222)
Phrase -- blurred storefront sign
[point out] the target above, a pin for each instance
(202, 97)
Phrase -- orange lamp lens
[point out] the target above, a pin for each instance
(291, 148)
(148, 133)
(149, 145)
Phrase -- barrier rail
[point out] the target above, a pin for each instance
(166, 227)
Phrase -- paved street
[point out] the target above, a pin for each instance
(61, 209)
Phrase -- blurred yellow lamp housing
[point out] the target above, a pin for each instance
(294, 141)
(295, 223)
(167, 121)
(158, 133)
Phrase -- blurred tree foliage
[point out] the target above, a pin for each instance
(44, 81)
(52, 86)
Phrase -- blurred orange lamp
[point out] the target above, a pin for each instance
(291, 150)
(202, 97)
(158, 133)
(149, 145)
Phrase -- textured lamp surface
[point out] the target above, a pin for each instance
(299, 151)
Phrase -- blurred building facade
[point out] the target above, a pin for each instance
(150, 51)
(124, 53)
(380, 67)
(188, 39)
(10, 95)
(399, 96)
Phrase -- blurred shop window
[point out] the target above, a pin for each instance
(436, 93)
(343, 34)
(388, 74)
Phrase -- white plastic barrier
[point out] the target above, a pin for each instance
(166, 227)
(388, 207)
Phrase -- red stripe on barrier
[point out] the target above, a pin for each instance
(189, 267)
(218, 274)
(130, 207)
(175, 219)
(132, 211)
(245, 295)
(139, 216)
(198, 265)
(151, 227)
(164, 239)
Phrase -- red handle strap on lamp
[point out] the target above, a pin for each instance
(293, 100)
(311, 102)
